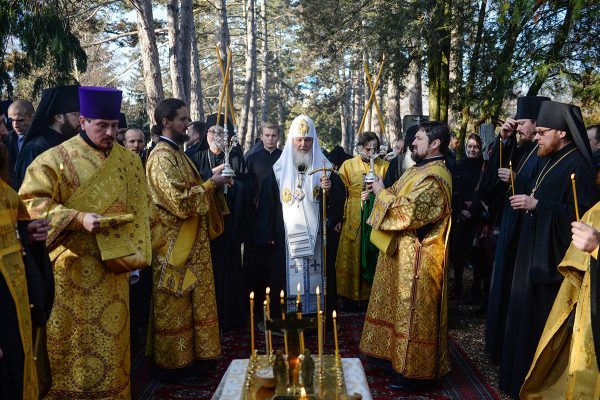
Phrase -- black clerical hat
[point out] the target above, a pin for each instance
(54, 101)
(410, 135)
(529, 106)
(122, 121)
(567, 118)
(337, 156)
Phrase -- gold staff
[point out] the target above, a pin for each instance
(324, 170)
(373, 89)
(225, 83)
(229, 101)
(372, 96)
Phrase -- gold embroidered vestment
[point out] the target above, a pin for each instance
(347, 265)
(88, 329)
(185, 321)
(13, 273)
(406, 317)
(564, 365)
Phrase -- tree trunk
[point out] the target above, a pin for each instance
(343, 107)
(358, 100)
(245, 128)
(223, 40)
(264, 78)
(252, 111)
(413, 95)
(392, 112)
(150, 59)
(473, 70)
(187, 35)
(196, 106)
(174, 49)
(438, 70)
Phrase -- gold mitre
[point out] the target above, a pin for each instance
(302, 126)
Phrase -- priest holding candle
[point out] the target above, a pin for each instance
(543, 238)
(494, 192)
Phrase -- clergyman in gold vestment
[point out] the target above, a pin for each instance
(350, 283)
(18, 375)
(184, 311)
(84, 184)
(406, 317)
(565, 363)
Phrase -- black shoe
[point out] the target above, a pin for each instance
(407, 387)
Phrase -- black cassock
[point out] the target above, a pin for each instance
(40, 287)
(525, 162)
(270, 228)
(33, 148)
(226, 249)
(260, 165)
(544, 236)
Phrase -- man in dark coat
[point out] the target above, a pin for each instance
(494, 191)
(226, 249)
(56, 120)
(259, 160)
(20, 113)
(544, 233)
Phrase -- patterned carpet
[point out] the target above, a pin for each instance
(464, 382)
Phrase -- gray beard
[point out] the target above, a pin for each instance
(302, 160)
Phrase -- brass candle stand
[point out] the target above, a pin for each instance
(296, 375)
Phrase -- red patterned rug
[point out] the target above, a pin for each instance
(464, 382)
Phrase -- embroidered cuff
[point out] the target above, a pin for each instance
(382, 203)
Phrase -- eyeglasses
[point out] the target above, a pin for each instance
(542, 132)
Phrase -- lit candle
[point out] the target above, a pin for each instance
(302, 394)
(512, 179)
(298, 300)
(285, 342)
(268, 314)
(251, 324)
(575, 196)
(299, 316)
(319, 322)
(335, 336)
(265, 322)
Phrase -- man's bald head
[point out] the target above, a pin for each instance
(134, 140)
(21, 113)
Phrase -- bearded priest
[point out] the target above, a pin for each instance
(288, 223)
(95, 195)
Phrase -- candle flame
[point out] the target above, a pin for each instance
(302, 393)
(282, 294)
(572, 176)
(268, 291)
(298, 287)
(265, 303)
(251, 295)
(318, 291)
(510, 163)
(334, 314)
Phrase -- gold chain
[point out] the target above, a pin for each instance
(541, 177)
(525, 162)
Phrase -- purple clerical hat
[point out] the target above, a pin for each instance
(99, 102)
